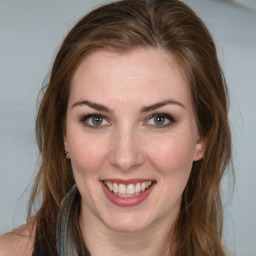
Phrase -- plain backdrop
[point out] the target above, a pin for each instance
(30, 34)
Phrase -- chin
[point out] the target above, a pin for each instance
(126, 227)
(127, 222)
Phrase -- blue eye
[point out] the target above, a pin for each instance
(94, 120)
(160, 120)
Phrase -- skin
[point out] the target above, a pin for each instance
(128, 144)
(18, 242)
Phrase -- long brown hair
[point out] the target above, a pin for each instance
(122, 26)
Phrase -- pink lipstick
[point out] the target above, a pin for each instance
(127, 193)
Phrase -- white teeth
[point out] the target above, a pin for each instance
(122, 189)
(115, 188)
(130, 189)
(137, 189)
(110, 186)
(127, 190)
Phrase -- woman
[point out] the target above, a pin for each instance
(134, 136)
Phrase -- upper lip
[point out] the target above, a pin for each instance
(130, 181)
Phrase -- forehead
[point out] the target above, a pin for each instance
(151, 73)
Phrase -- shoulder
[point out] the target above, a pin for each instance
(18, 242)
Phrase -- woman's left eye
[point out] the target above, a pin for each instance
(160, 120)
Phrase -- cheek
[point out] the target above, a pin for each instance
(173, 161)
(172, 155)
(87, 154)
(87, 159)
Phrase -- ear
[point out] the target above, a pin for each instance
(65, 142)
(199, 149)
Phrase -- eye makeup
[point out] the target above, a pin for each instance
(156, 120)
(94, 121)
(160, 120)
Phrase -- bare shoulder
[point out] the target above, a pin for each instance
(18, 242)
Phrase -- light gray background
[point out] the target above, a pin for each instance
(30, 33)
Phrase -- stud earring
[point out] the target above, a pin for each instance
(67, 154)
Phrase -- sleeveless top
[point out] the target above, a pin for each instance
(63, 231)
(41, 249)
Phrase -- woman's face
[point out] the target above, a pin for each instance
(132, 136)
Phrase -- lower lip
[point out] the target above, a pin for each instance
(127, 201)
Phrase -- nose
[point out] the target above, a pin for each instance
(126, 150)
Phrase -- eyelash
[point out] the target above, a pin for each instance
(167, 116)
(84, 118)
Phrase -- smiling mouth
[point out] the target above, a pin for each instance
(128, 190)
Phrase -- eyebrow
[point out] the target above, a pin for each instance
(145, 109)
(94, 105)
(161, 104)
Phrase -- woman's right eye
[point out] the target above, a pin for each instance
(94, 121)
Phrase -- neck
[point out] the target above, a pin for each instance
(100, 240)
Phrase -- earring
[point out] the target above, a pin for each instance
(67, 154)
